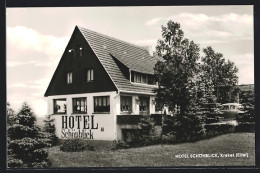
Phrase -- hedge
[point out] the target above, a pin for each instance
(218, 129)
(246, 127)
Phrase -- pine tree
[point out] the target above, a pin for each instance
(49, 128)
(26, 143)
(10, 114)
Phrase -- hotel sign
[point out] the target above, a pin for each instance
(78, 126)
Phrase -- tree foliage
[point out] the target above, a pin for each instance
(49, 128)
(175, 72)
(25, 141)
(183, 128)
(183, 81)
(10, 114)
(247, 98)
(219, 74)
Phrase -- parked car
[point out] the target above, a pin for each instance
(230, 110)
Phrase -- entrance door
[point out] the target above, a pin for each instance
(144, 105)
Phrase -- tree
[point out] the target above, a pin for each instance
(247, 97)
(26, 143)
(205, 95)
(49, 128)
(220, 75)
(176, 71)
(10, 114)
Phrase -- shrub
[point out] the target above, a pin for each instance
(146, 134)
(190, 128)
(246, 120)
(120, 145)
(169, 138)
(90, 147)
(157, 118)
(168, 125)
(213, 117)
(184, 127)
(42, 164)
(14, 163)
(73, 145)
(247, 116)
(245, 127)
(218, 129)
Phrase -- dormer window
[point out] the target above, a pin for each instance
(139, 77)
(69, 78)
(142, 78)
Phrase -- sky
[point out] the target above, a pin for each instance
(37, 37)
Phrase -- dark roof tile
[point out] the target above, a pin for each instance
(134, 57)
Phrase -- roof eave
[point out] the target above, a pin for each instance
(134, 92)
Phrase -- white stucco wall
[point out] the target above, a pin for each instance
(107, 122)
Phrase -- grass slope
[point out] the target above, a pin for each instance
(159, 155)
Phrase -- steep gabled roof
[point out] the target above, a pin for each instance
(143, 65)
(134, 57)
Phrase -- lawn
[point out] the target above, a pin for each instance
(165, 155)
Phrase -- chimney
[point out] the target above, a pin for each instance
(149, 49)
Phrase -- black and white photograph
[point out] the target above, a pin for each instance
(130, 86)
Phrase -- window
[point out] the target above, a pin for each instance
(143, 79)
(139, 78)
(79, 105)
(225, 107)
(102, 104)
(60, 106)
(232, 107)
(90, 75)
(144, 106)
(69, 78)
(126, 103)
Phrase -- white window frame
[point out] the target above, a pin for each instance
(69, 78)
(121, 103)
(90, 75)
(104, 101)
(79, 100)
(55, 105)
